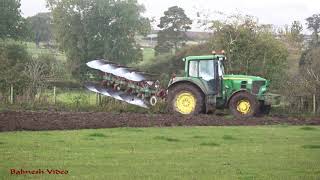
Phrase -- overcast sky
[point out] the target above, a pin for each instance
(277, 12)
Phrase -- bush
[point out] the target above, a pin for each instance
(13, 58)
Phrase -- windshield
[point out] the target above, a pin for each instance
(203, 69)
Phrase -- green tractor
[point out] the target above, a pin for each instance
(203, 88)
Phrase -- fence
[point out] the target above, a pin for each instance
(82, 99)
(301, 104)
(65, 99)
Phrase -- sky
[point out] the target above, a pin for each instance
(277, 12)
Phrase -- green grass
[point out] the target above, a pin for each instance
(148, 54)
(76, 97)
(97, 135)
(269, 152)
(209, 144)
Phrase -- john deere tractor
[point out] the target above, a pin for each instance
(203, 88)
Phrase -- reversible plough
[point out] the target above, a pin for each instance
(126, 84)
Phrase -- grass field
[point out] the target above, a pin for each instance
(72, 97)
(270, 152)
(148, 53)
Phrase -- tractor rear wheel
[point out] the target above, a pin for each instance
(185, 99)
(244, 105)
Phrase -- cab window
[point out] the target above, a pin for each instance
(203, 69)
(206, 69)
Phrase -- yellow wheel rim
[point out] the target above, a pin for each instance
(244, 106)
(185, 103)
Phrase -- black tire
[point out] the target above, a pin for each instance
(244, 96)
(178, 89)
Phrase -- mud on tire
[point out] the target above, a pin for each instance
(186, 87)
(244, 96)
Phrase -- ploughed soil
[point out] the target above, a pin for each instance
(34, 121)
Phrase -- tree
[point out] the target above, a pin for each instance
(13, 58)
(12, 25)
(89, 29)
(250, 48)
(307, 79)
(35, 71)
(313, 24)
(291, 35)
(173, 26)
(41, 27)
(310, 70)
(296, 32)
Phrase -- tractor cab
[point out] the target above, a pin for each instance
(209, 71)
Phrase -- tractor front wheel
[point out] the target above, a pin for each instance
(244, 105)
(185, 99)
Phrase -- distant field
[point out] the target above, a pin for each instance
(269, 152)
(148, 55)
(32, 48)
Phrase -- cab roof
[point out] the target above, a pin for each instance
(204, 57)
